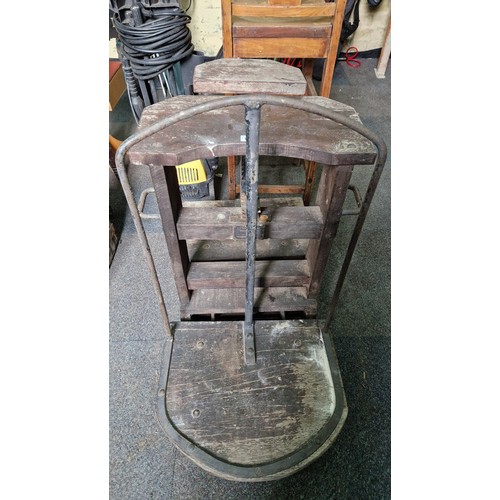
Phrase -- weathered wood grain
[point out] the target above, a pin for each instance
(284, 2)
(249, 415)
(268, 273)
(248, 76)
(232, 301)
(272, 28)
(331, 195)
(223, 223)
(260, 8)
(169, 204)
(284, 132)
(281, 47)
(222, 250)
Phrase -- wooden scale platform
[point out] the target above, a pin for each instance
(250, 387)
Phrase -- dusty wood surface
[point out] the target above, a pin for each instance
(284, 132)
(226, 223)
(268, 273)
(248, 76)
(249, 415)
(232, 301)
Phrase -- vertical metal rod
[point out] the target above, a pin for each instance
(252, 120)
(372, 186)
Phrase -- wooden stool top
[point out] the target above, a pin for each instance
(248, 76)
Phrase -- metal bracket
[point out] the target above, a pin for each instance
(142, 202)
(359, 201)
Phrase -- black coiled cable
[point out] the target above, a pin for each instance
(152, 42)
(155, 45)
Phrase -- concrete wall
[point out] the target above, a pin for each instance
(206, 26)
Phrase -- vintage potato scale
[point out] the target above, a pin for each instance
(250, 388)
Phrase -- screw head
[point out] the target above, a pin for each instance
(195, 413)
(297, 343)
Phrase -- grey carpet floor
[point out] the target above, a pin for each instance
(142, 462)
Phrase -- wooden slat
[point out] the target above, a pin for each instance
(232, 301)
(277, 188)
(222, 250)
(280, 47)
(226, 223)
(277, 29)
(263, 10)
(268, 273)
(282, 201)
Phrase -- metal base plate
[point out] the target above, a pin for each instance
(251, 423)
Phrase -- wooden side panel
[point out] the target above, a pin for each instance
(268, 273)
(169, 205)
(331, 195)
(280, 47)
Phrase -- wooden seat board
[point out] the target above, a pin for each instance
(249, 415)
(248, 76)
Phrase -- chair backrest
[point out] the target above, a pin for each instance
(265, 29)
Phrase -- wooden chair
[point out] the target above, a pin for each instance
(305, 29)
